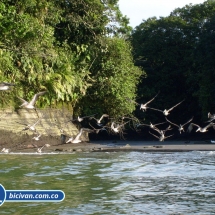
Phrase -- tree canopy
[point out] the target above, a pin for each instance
(176, 52)
(74, 49)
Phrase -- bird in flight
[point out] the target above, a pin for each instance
(99, 121)
(77, 138)
(167, 112)
(30, 105)
(211, 117)
(144, 106)
(30, 127)
(181, 126)
(162, 136)
(200, 129)
(6, 86)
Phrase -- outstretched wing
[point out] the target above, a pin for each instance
(36, 96)
(151, 100)
(187, 122)
(171, 122)
(190, 127)
(154, 135)
(175, 105)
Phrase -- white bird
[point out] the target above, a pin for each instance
(77, 139)
(98, 121)
(151, 125)
(30, 105)
(116, 128)
(180, 127)
(37, 137)
(39, 150)
(5, 86)
(80, 119)
(200, 129)
(30, 127)
(162, 136)
(165, 111)
(211, 117)
(5, 150)
(143, 107)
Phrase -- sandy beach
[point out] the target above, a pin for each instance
(116, 146)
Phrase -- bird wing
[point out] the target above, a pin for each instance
(155, 109)
(154, 135)
(190, 127)
(168, 136)
(151, 100)
(187, 122)
(24, 101)
(36, 96)
(171, 122)
(36, 122)
(22, 123)
(209, 125)
(79, 134)
(175, 105)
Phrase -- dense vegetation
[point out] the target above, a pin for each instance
(75, 49)
(177, 53)
(88, 58)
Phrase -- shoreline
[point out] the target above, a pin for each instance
(118, 146)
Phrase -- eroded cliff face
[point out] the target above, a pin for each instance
(53, 125)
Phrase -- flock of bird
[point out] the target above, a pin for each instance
(110, 125)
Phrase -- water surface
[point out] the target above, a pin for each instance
(113, 183)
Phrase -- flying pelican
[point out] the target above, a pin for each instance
(98, 121)
(153, 126)
(200, 129)
(39, 150)
(30, 105)
(143, 107)
(165, 111)
(77, 139)
(5, 86)
(162, 136)
(180, 127)
(37, 137)
(211, 117)
(96, 130)
(116, 128)
(30, 127)
(80, 119)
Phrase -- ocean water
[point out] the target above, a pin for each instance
(113, 183)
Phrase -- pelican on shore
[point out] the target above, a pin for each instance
(180, 127)
(31, 104)
(6, 86)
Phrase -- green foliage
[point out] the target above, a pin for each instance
(116, 79)
(64, 47)
(174, 52)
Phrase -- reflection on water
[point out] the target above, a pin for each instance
(113, 183)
